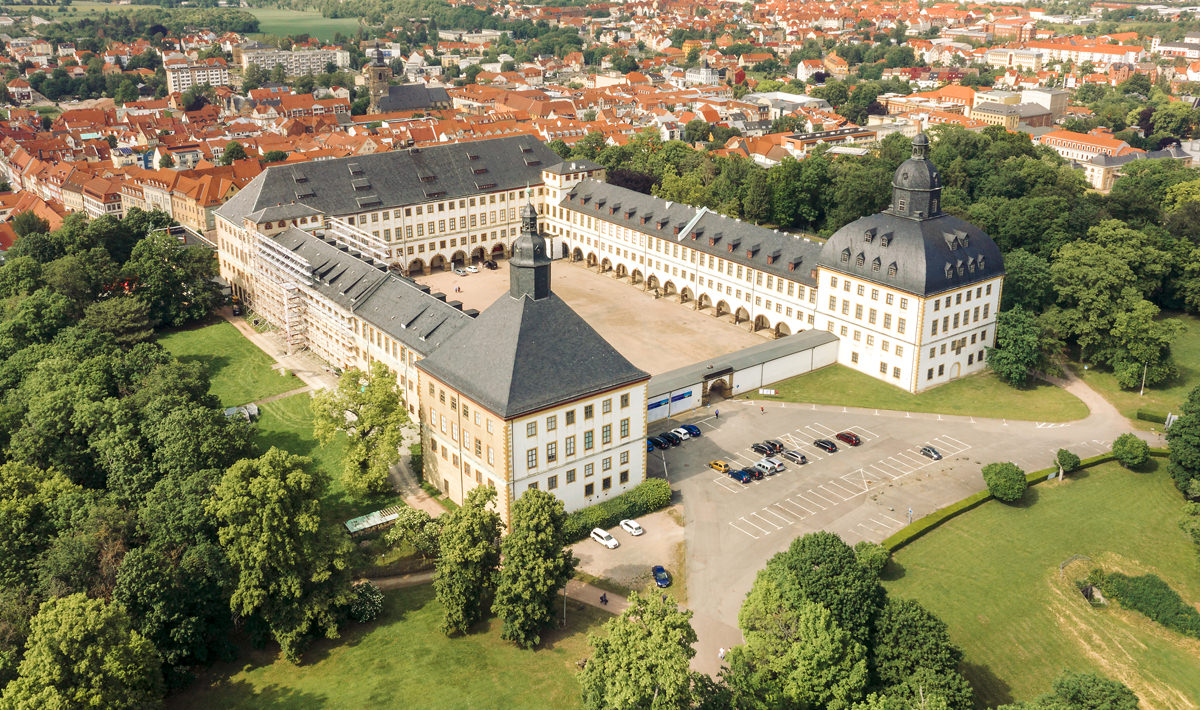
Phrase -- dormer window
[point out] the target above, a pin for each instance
(949, 270)
(892, 269)
(885, 239)
(901, 204)
(959, 267)
(869, 235)
(876, 264)
(845, 256)
(860, 259)
(980, 260)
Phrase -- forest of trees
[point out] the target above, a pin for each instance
(133, 508)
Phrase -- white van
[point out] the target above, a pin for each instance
(770, 466)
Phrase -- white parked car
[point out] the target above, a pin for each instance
(682, 433)
(605, 539)
(472, 269)
(631, 527)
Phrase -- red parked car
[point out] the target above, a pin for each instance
(849, 437)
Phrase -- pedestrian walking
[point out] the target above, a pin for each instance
(718, 413)
(604, 599)
(762, 410)
(721, 654)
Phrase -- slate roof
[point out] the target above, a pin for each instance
(920, 250)
(381, 181)
(395, 305)
(521, 355)
(689, 375)
(413, 97)
(1104, 160)
(788, 256)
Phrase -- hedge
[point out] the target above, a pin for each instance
(1149, 415)
(1150, 595)
(648, 496)
(919, 527)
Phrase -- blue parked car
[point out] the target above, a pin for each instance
(649, 446)
(741, 475)
(661, 577)
(691, 429)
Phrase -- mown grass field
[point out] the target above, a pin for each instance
(239, 371)
(288, 424)
(992, 574)
(1164, 398)
(274, 21)
(404, 661)
(982, 395)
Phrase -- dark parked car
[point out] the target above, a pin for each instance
(774, 445)
(849, 437)
(761, 449)
(793, 456)
(661, 577)
(673, 438)
(490, 264)
(825, 445)
(691, 429)
(754, 473)
(741, 476)
(658, 443)
(931, 453)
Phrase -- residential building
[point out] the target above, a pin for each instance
(295, 62)
(183, 74)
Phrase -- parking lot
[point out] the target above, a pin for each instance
(863, 492)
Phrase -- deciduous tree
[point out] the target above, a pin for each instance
(369, 411)
(470, 553)
(82, 653)
(537, 564)
(291, 573)
(1005, 481)
(641, 658)
(1131, 450)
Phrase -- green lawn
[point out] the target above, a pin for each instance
(288, 424)
(982, 395)
(1164, 398)
(239, 371)
(403, 660)
(992, 575)
(275, 21)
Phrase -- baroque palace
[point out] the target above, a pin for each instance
(911, 293)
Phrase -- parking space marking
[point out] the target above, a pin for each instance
(823, 498)
(790, 502)
(881, 470)
(824, 430)
(786, 521)
(849, 491)
(899, 465)
(961, 446)
(882, 525)
(885, 515)
(735, 527)
(765, 519)
(838, 493)
(764, 531)
(724, 483)
(866, 431)
(810, 501)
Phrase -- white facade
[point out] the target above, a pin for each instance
(297, 62)
(180, 78)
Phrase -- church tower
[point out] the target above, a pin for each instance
(377, 75)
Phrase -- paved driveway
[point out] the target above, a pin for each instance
(862, 492)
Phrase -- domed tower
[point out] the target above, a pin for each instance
(378, 75)
(916, 186)
(529, 267)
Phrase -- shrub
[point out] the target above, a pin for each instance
(1066, 460)
(647, 497)
(368, 602)
(416, 461)
(1151, 596)
(1131, 451)
(872, 556)
(1149, 415)
(1005, 481)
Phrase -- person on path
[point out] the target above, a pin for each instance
(721, 654)
(718, 413)
(604, 599)
(762, 410)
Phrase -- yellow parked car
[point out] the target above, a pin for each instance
(719, 466)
